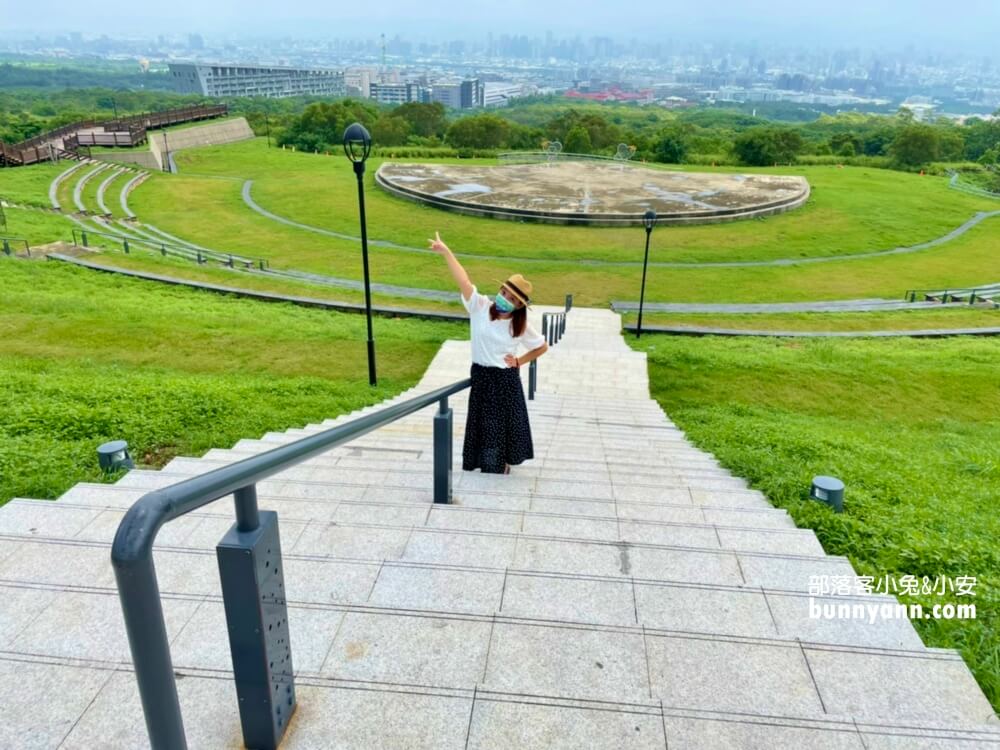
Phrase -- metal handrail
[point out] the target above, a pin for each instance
(181, 251)
(131, 552)
(553, 328)
(946, 294)
(5, 244)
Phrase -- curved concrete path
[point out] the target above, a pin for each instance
(957, 232)
(834, 306)
(621, 590)
(924, 333)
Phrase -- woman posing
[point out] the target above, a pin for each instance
(497, 432)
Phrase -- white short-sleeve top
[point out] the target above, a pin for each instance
(492, 339)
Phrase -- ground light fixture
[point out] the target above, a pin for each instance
(114, 455)
(828, 490)
(357, 147)
(648, 221)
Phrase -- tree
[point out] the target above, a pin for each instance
(763, 146)
(425, 119)
(578, 141)
(479, 131)
(321, 126)
(915, 145)
(671, 145)
(390, 131)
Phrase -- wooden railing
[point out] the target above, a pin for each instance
(125, 131)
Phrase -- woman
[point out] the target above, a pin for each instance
(497, 433)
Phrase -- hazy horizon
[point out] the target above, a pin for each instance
(921, 24)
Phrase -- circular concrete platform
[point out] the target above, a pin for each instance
(593, 192)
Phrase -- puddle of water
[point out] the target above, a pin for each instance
(668, 195)
(463, 188)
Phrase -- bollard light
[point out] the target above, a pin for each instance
(114, 455)
(828, 490)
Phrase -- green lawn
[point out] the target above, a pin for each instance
(908, 320)
(30, 185)
(911, 427)
(851, 210)
(88, 357)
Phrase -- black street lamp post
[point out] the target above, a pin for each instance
(267, 129)
(648, 220)
(357, 146)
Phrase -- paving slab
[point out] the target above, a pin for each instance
(503, 724)
(739, 676)
(412, 650)
(898, 687)
(564, 599)
(32, 719)
(567, 662)
(701, 609)
(437, 589)
(731, 733)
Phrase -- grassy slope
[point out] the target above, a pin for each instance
(910, 426)
(86, 357)
(851, 210)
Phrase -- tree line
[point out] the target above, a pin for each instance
(698, 134)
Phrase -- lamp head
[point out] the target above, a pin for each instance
(357, 143)
(649, 219)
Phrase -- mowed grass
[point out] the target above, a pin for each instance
(30, 185)
(152, 262)
(911, 427)
(851, 210)
(87, 357)
(947, 318)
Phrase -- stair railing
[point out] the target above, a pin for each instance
(553, 328)
(250, 569)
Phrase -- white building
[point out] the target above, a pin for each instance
(216, 79)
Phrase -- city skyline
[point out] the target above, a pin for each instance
(900, 23)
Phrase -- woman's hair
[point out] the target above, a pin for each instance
(518, 320)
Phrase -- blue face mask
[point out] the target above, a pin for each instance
(504, 305)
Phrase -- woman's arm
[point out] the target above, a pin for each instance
(457, 272)
(527, 357)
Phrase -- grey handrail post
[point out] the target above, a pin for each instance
(442, 452)
(532, 379)
(545, 327)
(247, 515)
(147, 636)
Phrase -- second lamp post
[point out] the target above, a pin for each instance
(648, 220)
(357, 146)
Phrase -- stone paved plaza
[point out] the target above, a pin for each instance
(620, 591)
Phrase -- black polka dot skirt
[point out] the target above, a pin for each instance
(497, 431)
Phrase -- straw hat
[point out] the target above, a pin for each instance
(519, 286)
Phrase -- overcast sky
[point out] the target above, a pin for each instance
(966, 25)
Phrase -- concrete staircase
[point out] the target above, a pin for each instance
(619, 591)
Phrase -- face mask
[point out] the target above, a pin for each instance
(504, 305)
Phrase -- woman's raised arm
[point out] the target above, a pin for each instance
(457, 272)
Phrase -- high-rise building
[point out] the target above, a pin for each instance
(214, 79)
